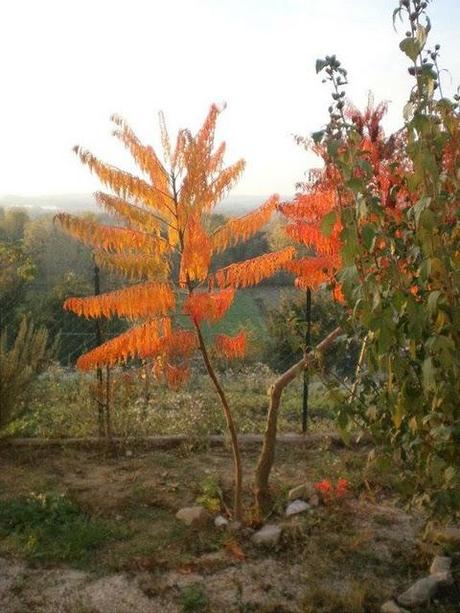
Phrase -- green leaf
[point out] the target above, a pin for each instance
(333, 147)
(368, 235)
(408, 110)
(355, 184)
(327, 223)
(450, 474)
(410, 47)
(429, 374)
(427, 219)
(398, 412)
(421, 36)
(366, 167)
(433, 301)
(419, 207)
(320, 64)
(317, 136)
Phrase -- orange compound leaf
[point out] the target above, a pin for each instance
(209, 306)
(337, 294)
(205, 137)
(134, 215)
(309, 207)
(311, 236)
(145, 156)
(134, 266)
(242, 228)
(231, 346)
(142, 341)
(179, 343)
(110, 238)
(311, 272)
(196, 255)
(124, 184)
(133, 302)
(250, 272)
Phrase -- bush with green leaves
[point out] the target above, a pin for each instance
(397, 203)
(21, 361)
(286, 331)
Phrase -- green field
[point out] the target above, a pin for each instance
(250, 310)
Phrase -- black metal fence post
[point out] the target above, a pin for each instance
(306, 376)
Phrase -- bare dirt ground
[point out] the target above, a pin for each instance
(351, 556)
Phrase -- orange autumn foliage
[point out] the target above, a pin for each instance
(325, 195)
(209, 306)
(132, 302)
(163, 218)
(231, 346)
(253, 271)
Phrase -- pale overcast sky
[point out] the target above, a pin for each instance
(67, 65)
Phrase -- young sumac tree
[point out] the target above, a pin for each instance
(166, 243)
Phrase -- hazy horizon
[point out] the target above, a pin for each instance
(233, 204)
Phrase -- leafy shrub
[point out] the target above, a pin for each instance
(211, 494)
(287, 327)
(20, 364)
(393, 213)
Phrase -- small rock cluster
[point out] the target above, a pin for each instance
(269, 535)
(423, 589)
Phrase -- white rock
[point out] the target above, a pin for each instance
(193, 516)
(420, 592)
(301, 491)
(220, 521)
(444, 578)
(268, 535)
(391, 607)
(298, 506)
(440, 564)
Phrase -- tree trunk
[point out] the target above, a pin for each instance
(238, 471)
(267, 454)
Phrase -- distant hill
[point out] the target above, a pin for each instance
(50, 203)
(75, 203)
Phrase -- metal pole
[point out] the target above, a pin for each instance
(99, 376)
(306, 376)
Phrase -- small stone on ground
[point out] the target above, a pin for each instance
(193, 516)
(440, 564)
(220, 521)
(420, 592)
(298, 506)
(268, 535)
